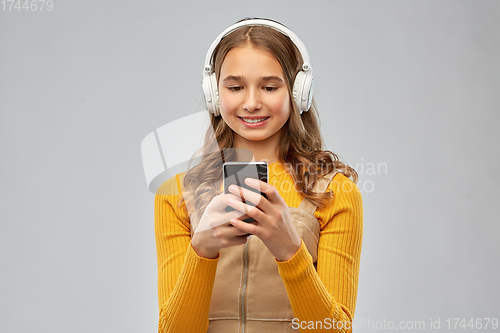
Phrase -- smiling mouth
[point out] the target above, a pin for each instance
(253, 120)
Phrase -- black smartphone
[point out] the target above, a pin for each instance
(236, 172)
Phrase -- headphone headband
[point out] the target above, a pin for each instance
(306, 66)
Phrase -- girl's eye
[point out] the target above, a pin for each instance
(234, 88)
(270, 88)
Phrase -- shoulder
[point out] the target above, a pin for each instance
(342, 186)
(171, 186)
(168, 199)
(170, 191)
(346, 203)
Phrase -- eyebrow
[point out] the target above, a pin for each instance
(264, 78)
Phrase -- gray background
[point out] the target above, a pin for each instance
(412, 85)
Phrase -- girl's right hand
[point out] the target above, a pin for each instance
(214, 231)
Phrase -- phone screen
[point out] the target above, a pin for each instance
(236, 172)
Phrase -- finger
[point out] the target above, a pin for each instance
(213, 219)
(256, 198)
(236, 196)
(270, 191)
(249, 210)
(223, 219)
(235, 232)
(235, 214)
(227, 215)
(251, 228)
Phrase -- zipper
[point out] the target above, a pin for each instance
(245, 281)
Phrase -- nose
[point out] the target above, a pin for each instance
(252, 100)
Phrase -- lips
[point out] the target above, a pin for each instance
(254, 121)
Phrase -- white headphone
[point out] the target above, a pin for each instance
(302, 85)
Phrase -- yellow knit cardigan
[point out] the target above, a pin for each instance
(185, 280)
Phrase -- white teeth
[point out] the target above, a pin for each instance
(247, 120)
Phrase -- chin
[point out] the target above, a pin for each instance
(256, 138)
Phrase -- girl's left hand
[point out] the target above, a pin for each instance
(274, 224)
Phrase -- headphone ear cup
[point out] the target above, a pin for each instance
(297, 84)
(302, 91)
(211, 93)
(215, 94)
(308, 92)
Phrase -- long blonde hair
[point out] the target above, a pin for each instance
(300, 147)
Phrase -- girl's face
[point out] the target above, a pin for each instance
(253, 96)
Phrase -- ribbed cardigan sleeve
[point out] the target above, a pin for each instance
(185, 280)
(331, 290)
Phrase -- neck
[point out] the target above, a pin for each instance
(263, 150)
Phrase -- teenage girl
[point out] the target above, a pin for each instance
(296, 267)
